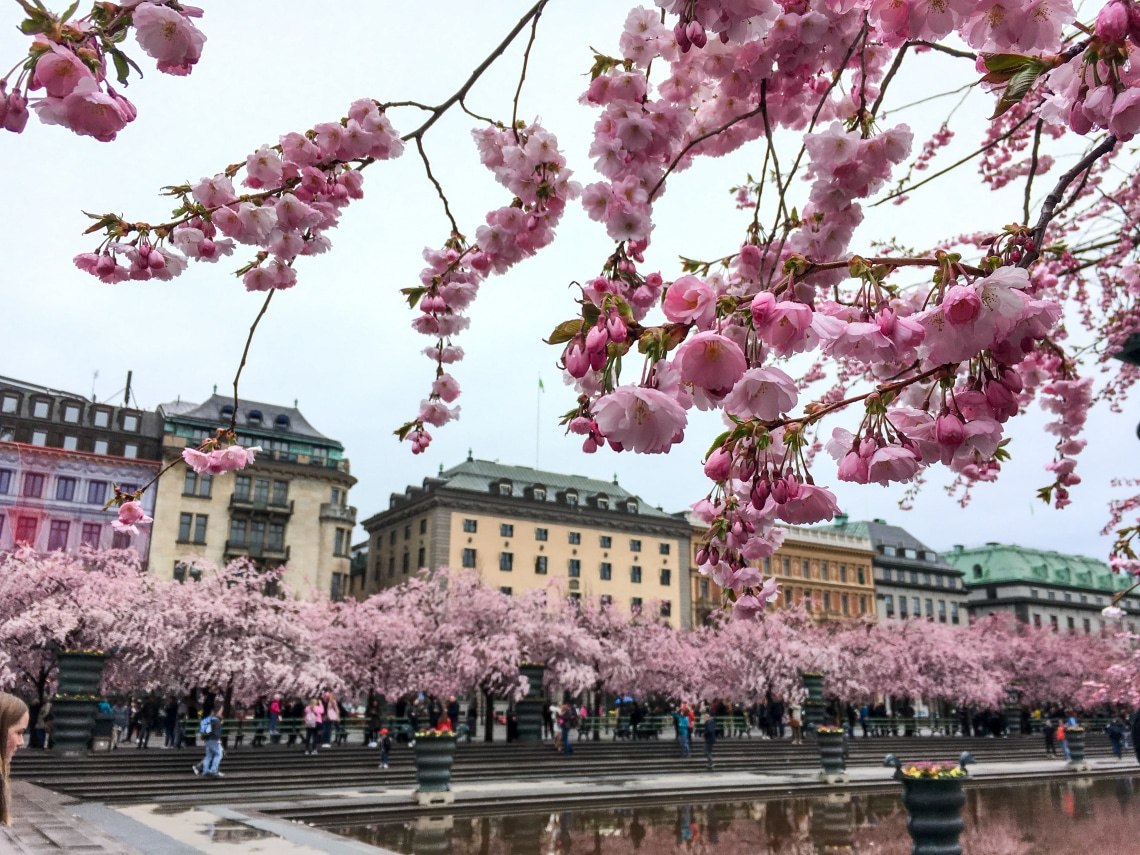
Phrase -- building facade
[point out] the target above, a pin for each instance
(1043, 588)
(522, 528)
(825, 571)
(911, 580)
(290, 507)
(61, 456)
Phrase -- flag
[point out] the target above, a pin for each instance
(541, 388)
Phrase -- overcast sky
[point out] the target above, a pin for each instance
(339, 343)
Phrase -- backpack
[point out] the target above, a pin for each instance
(204, 725)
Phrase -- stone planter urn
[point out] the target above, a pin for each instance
(1075, 737)
(434, 756)
(528, 711)
(933, 799)
(833, 823)
(814, 706)
(833, 763)
(80, 672)
(76, 701)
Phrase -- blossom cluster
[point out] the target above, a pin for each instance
(525, 160)
(933, 771)
(299, 188)
(66, 77)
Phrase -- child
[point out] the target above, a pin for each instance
(385, 747)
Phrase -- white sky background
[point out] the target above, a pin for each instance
(340, 342)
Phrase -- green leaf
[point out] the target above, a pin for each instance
(122, 70)
(1005, 62)
(1019, 84)
(565, 331)
(716, 443)
(69, 12)
(413, 295)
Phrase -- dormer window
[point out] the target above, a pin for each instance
(282, 421)
(631, 506)
(254, 417)
(502, 488)
(603, 503)
(539, 494)
(572, 498)
(227, 411)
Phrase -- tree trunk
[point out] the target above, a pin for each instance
(227, 702)
(488, 716)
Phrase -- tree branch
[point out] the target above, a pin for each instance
(436, 184)
(522, 76)
(1032, 168)
(245, 353)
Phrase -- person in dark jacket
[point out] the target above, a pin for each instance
(1136, 734)
(171, 721)
(710, 738)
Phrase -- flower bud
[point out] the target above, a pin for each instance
(105, 265)
(949, 431)
(616, 328)
(682, 37)
(1112, 23)
(718, 465)
(16, 117)
(696, 34)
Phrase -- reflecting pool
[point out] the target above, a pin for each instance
(1059, 817)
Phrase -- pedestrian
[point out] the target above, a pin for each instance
(1115, 731)
(275, 719)
(313, 719)
(710, 738)
(121, 713)
(796, 726)
(170, 721)
(331, 718)
(1064, 742)
(211, 730)
(472, 721)
(566, 717)
(260, 715)
(13, 723)
(1050, 731)
(453, 712)
(1136, 734)
(681, 720)
(385, 747)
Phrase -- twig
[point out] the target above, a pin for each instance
(903, 191)
(961, 54)
(1032, 169)
(245, 353)
(436, 184)
(522, 76)
(1049, 208)
(890, 75)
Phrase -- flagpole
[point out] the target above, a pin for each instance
(537, 419)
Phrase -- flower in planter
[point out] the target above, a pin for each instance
(829, 729)
(928, 771)
(444, 729)
(1074, 729)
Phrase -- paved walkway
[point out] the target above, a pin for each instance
(46, 822)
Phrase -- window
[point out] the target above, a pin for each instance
(26, 530)
(942, 611)
(663, 548)
(120, 540)
(606, 600)
(575, 537)
(666, 608)
(539, 494)
(540, 534)
(607, 571)
(1053, 621)
(926, 579)
(57, 535)
(827, 601)
(604, 504)
(789, 596)
(237, 532)
(1037, 620)
(407, 532)
(1034, 593)
(635, 546)
(506, 561)
(261, 491)
(1052, 595)
(392, 537)
(1084, 599)
(1068, 597)
(606, 541)
(665, 576)
(200, 528)
(506, 530)
(5, 481)
(915, 610)
(280, 493)
(574, 569)
(635, 604)
(130, 422)
(405, 560)
(423, 526)
(89, 535)
(65, 489)
(540, 565)
(9, 404)
(242, 484)
(824, 571)
(276, 540)
(862, 576)
(846, 608)
(470, 526)
(842, 572)
(703, 589)
(505, 489)
(101, 418)
(505, 589)
(41, 409)
(805, 568)
(954, 613)
(1087, 626)
(572, 499)
(39, 437)
(96, 492)
(635, 573)
(391, 566)
(940, 580)
(902, 607)
(33, 485)
(338, 544)
(101, 446)
(421, 557)
(71, 443)
(889, 605)
(184, 525)
(1072, 625)
(468, 557)
(914, 577)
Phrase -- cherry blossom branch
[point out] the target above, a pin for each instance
(1049, 207)
(890, 75)
(961, 54)
(1032, 168)
(526, 59)
(436, 184)
(245, 354)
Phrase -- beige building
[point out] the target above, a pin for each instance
(523, 528)
(290, 507)
(829, 572)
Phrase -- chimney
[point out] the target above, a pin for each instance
(959, 547)
(840, 519)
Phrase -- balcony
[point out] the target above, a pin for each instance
(276, 552)
(248, 503)
(303, 460)
(338, 513)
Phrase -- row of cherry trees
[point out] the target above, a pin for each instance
(448, 633)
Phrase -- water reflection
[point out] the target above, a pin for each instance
(1050, 818)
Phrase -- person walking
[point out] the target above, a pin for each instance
(313, 719)
(566, 717)
(121, 712)
(681, 719)
(170, 721)
(385, 747)
(211, 730)
(275, 719)
(1050, 731)
(330, 718)
(1061, 738)
(14, 719)
(1115, 731)
(710, 738)
(796, 726)
(1135, 733)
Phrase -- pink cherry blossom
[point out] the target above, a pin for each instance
(643, 420)
(712, 362)
(690, 300)
(168, 36)
(131, 514)
(762, 393)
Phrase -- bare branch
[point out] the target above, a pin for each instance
(522, 75)
(1032, 169)
(436, 184)
(245, 353)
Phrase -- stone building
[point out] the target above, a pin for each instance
(826, 571)
(61, 455)
(1043, 588)
(911, 579)
(523, 528)
(290, 507)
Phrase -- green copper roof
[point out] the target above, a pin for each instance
(1000, 562)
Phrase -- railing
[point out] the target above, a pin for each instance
(257, 550)
(246, 503)
(338, 513)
